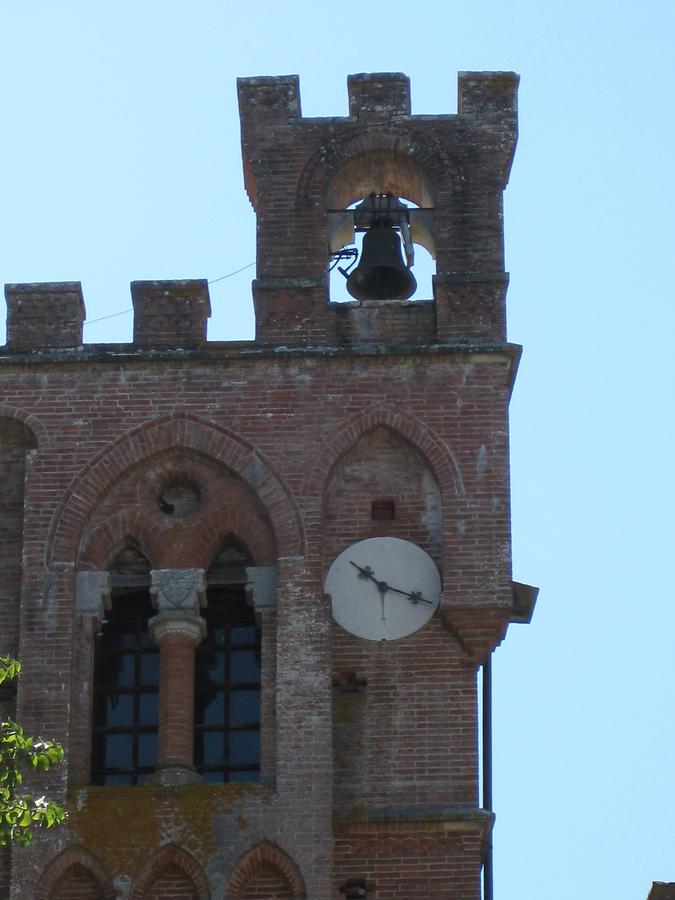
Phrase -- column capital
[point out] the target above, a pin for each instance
(92, 594)
(178, 595)
(261, 588)
(178, 590)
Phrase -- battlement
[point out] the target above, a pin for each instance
(303, 175)
(51, 315)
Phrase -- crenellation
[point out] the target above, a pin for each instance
(44, 315)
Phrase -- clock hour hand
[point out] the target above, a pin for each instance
(367, 573)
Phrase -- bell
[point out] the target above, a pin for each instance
(381, 273)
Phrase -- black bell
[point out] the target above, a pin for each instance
(381, 273)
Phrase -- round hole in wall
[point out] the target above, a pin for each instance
(179, 499)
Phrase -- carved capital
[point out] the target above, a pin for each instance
(92, 594)
(178, 589)
(261, 588)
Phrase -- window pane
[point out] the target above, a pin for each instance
(150, 668)
(244, 776)
(117, 778)
(119, 709)
(244, 708)
(244, 666)
(117, 670)
(148, 709)
(244, 748)
(217, 634)
(118, 751)
(243, 636)
(210, 666)
(213, 748)
(147, 749)
(211, 708)
(119, 635)
(214, 777)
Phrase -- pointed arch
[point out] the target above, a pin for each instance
(180, 430)
(74, 858)
(128, 527)
(170, 856)
(436, 452)
(254, 861)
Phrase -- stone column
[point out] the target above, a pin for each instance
(178, 627)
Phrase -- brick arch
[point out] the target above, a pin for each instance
(75, 856)
(232, 522)
(264, 855)
(426, 154)
(177, 431)
(205, 538)
(435, 451)
(34, 430)
(127, 527)
(168, 857)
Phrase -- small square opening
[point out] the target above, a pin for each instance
(383, 510)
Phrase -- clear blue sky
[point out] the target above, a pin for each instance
(120, 160)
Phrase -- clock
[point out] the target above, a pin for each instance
(383, 588)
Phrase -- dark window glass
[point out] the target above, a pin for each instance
(227, 691)
(124, 744)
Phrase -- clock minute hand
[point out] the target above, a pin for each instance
(413, 596)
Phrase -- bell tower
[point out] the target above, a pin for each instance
(302, 173)
(412, 535)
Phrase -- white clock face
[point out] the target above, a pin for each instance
(383, 588)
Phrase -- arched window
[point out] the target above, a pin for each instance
(126, 679)
(227, 683)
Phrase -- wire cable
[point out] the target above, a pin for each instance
(212, 281)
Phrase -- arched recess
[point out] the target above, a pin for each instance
(408, 164)
(382, 485)
(222, 504)
(178, 431)
(75, 873)
(263, 863)
(24, 425)
(436, 452)
(170, 863)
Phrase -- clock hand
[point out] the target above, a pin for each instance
(413, 596)
(366, 573)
